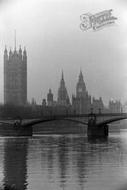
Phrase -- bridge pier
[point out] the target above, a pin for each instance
(15, 130)
(94, 130)
(24, 131)
(20, 130)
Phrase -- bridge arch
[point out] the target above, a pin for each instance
(6, 122)
(52, 119)
(110, 121)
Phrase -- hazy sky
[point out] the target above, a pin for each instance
(54, 41)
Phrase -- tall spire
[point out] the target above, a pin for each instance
(15, 39)
(62, 75)
(80, 75)
(5, 50)
(62, 79)
(63, 98)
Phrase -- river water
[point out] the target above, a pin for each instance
(64, 162)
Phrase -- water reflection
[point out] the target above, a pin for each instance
(15, 166)
(72, 162)
(62, 153)
(65, 162)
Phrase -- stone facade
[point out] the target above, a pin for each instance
(15, 77)
(115, 106)
(97, 105)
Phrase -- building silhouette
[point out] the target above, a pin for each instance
(97, 105)
(63, 98)
(15, 77)
(81, 103)
(115, 106)
(50, 101)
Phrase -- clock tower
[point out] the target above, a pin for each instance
(81, 87)
(81, 103)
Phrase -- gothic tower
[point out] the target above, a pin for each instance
(50, 98)
(81, 103)
(81, 87)
(15, 77)
(63, 98)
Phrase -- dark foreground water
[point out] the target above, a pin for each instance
(70, 162)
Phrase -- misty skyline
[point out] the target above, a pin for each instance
(51, 32)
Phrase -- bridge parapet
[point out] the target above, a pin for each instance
(99, 127)
(100, 117)
(81, 118)
(110, 118)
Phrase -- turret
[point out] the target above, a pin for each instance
(5, 51)
(20, 52)
(15, 51)
(24, 55)
(10, 54)
(50, 98)
(15, 76)
(5, 54)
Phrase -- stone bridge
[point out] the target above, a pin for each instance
(97, 124)
(104, 118)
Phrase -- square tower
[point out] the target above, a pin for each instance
(15, 77)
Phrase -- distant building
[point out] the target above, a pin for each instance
(44, 103)
(81, 103)
(15, 77)
(50, 101)
(97, 105)
(33, 102)
(63, 98)
(115, 106)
